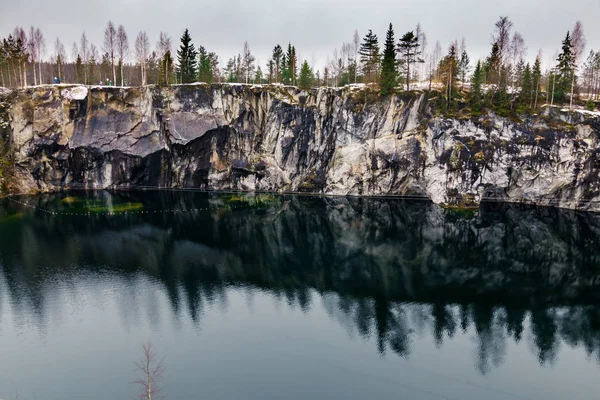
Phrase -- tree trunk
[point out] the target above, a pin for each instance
(407, 74)
(572, 90)
(34, 75)
(553, 86)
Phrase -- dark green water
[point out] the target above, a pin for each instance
(266, 297)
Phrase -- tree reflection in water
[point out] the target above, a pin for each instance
(388, 269)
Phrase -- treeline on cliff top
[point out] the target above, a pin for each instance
(503, 80)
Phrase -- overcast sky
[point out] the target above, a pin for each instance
(315, 27)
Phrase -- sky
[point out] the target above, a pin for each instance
(314, 27)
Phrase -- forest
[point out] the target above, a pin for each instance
(503, 81)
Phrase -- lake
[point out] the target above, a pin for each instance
(257, 296)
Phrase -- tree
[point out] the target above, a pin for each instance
(476, 92)
(448, 67)
(122, 50)
(165, 69)
(80, 69)
(463, 64)
(187, 58)
(290, 66)
(578, 41)
(565, 68)
(142, 48)
(84, 48)
(389, 73)
(526, 87)
(163, 47)
(205, 73)
(248, 62)
(110, 43)
(355, 49)
(151, 370)
(59, 57)
(277, 59)
(370, 57)
(501, 37)
(408, 48)
(258, 78)
(306, 78)
(536, 79)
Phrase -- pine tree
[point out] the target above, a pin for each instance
(205, 72)
(408, 48)
(493, 65)
(476, 98)
(258, 78)
(536, 80)
(389, 74)
(306, 78)
(187, 59)
(79, 69)
(565, 69)
(278, 59)
(370, 57)
(290, 66)
(526, 87)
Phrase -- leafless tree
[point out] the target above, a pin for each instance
(248, 62)
(578, 40)
(122, 49)
(20, 35)
(142, 48)
(33, 48)
(74, 51)
(59, 56)
(84, 46)
(436, 57)
(355, 48)
(422, 38)
(163, 45)
(41, 49)
(502, 37)
(110, 44)
(151, 370)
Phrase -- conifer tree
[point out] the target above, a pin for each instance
(410, 52)
(565, 68)
(389, 74)
(306, 78)
(476, 92)
(278, 59)
(536, 80)
(205, 72)
(187, 59)
(258, 78)
(370, 57)
(80, 69)
(526, 87)
(463, 67)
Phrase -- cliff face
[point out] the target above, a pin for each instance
(273, 138)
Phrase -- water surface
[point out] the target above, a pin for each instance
(270, 297)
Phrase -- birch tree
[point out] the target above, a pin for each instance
(578, 41)
(110, 44)
(142, 48)
(151, 373)
(248, 62)
(84, 47)
(122, 49)
(59, 57)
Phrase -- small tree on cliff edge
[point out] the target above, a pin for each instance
(187, 59)
(306, 79)
(151, 373)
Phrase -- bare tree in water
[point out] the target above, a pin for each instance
(151, 373)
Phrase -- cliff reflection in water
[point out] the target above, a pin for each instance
(389, 269)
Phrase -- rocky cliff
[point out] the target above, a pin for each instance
(347, 141)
